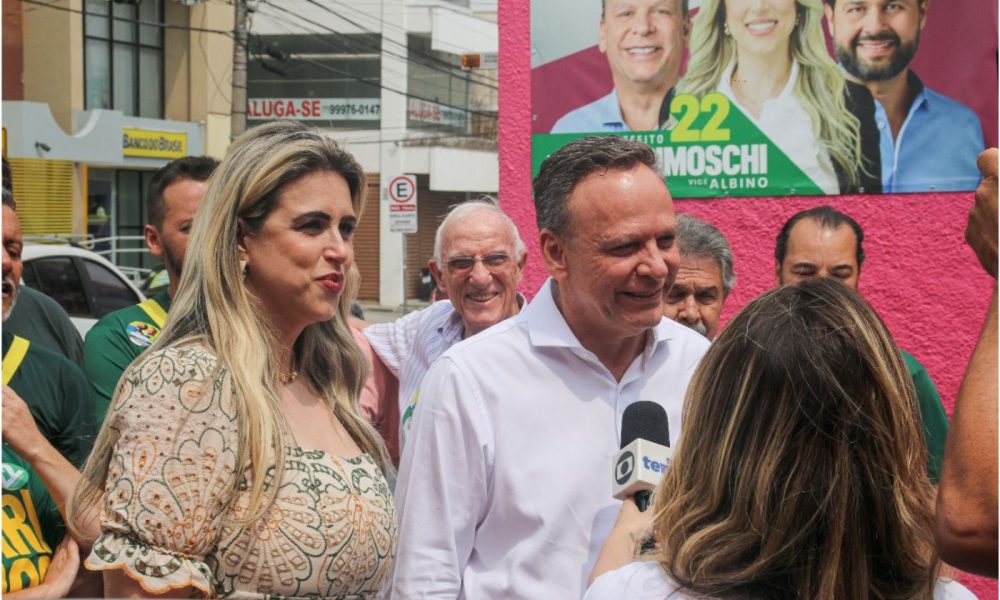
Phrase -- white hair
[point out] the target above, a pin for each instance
(464, 210)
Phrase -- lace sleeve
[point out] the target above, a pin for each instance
(172, 474)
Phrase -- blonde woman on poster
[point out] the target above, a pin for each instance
(770, 59)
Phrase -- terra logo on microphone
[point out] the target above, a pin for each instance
(624, 468)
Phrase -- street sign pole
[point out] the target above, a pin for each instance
(403, 215)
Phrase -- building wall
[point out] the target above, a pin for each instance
(53, 58)
(13, 49)
(919, 275)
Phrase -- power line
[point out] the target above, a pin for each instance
(450, 68)
(380, 85)
(114, 18)
(405, 47)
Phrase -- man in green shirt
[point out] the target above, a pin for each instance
(119, 337)
(46, 436)
(822, 242)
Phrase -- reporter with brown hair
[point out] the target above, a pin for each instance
(800, 469)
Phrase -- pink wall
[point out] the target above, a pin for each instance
(919, 275)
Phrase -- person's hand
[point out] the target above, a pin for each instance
(19, 429)
(634, 525)
(62, 570)
(981, 230)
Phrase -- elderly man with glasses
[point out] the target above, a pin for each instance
(478, 260)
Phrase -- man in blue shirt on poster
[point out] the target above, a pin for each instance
(927, 142)
(644, 41)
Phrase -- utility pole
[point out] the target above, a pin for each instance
(239, 108)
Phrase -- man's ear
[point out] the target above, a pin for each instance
(602, 42)
(436, 273)
(777, 273)
(828, 11)
(922, 7)
(241, 235)
(153, 241)
(554, 253)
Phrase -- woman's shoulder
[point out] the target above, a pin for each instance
(640, 580)
(186, 378)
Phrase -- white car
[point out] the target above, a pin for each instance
(87, 285)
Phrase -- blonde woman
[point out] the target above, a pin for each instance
(233, 461)
(770, 59)
(801, 470)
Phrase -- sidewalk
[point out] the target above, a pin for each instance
(376, 313)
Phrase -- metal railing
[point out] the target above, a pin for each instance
(111, 248)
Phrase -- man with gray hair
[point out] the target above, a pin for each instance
(704, 278)
(504, 486)
(479, 260)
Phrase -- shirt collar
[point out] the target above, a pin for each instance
(920, 98)
(609, 111)
(547, 327)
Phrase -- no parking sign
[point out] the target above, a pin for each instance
(403, 204)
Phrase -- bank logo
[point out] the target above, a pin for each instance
(624, 468)
(15, 477)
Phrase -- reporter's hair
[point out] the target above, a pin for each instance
(215, 308)
(801, 470)
(462, 211)
(195, 168)
(819, 87)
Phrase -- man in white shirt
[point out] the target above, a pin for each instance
(478, 259)
(644, 41)
(505, 481)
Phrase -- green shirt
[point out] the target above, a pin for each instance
(58, 397)
(40, 319)
(935, 421)
(32, 526)
(111, 346)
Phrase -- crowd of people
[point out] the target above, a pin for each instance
(242, 434)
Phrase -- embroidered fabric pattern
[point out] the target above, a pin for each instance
(173, 498)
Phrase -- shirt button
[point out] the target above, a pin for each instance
(881, 124)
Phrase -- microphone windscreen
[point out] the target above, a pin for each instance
(645, 420)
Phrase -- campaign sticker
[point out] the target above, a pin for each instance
(141, 334)
(408, 413)
(15, 477)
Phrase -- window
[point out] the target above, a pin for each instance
(123, 58)
(330, 80)
(110, 292)
(58, 278)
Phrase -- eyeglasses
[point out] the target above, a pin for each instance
(461, 265)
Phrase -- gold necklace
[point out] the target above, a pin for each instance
(286, 378)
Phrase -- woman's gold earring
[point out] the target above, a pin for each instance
(725, 29)
(244, 267)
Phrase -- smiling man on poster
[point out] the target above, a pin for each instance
(644, 41)
(927, 142)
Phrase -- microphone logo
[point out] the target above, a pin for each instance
(624, 468)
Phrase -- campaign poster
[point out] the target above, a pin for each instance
(774, 97)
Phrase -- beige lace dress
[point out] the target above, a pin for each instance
(170, 498)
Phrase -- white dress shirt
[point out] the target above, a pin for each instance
(787, 124)
(505, 481)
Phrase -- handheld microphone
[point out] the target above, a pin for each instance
(645, 453)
